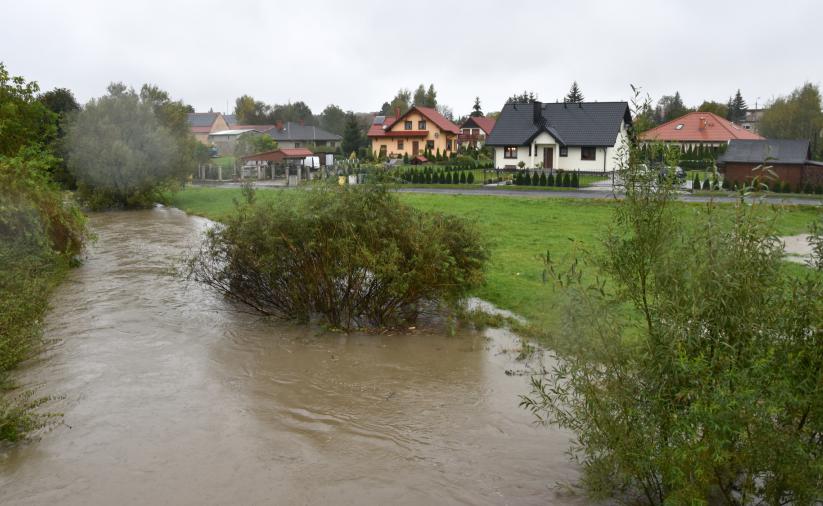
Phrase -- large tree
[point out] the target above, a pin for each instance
(249, 111)
(401, 102)
(670, 107)
(125, 151)
(737, 108)
(353, 138)
(476, 109)
(298, 112)
(796, 116)
(24, 120)
(333, 119)
(431, 97)
(721, 110)
(574, 95)
(420, 96)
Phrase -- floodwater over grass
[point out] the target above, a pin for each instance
(171, 396)
(519, 231)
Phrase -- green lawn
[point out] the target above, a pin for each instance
(519, 230)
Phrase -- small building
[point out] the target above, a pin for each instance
(790, 160)
(698, 129)
(580, 136)
(226, 140)
(751, 120)
(202, 124)
(420, 128)
(285, 156)
(297, 135)
(474, 130)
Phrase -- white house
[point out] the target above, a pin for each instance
(581, 136)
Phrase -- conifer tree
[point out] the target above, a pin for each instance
(575, 95)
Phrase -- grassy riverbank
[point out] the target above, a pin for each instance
(519, 231)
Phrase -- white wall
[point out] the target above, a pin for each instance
(571, 162)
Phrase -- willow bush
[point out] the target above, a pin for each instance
(690, 362)
(353, 257)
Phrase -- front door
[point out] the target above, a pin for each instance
(548, 158)
(415, 148)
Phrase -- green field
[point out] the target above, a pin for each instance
(518, 230)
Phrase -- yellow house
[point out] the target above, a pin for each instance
(203, 124)
(420, 128)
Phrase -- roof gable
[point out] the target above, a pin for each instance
(481, 122)
(698, 127)
(429, 113)
(572, 124)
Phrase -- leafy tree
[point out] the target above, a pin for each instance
(796, 116)
(737, 108)
(574, 95)
(385, 109)
(721, 110)
(401, 102)
(122, 154)
(252, 142)
(250, 111)
(23, 119)
(298, 112)
(353, 135)
(521, 98)
(60, 101)
(688, 362)
(333, 119)
(670, 107)
(405, 158)
(446, 111)
(476, 110)
(431, 97)
(420, 96)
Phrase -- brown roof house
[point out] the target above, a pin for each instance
(204, 123)
(420, 128)
(698, 129)
(474, 130)
(790, 160)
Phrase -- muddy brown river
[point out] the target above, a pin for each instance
(169, 395)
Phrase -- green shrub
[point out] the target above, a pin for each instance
(449, 178)
(543, 179)
(535, 179)
(696, 183)
(550, 180)
(470, 178)
(706, 184)
(462, 178)
(354, 256)
(575, 182)
(818, 190)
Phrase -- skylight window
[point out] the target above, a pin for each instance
(679, 126)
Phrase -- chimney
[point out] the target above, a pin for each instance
(301, 121)
(702, 123)
(278, 125)
(537, 112)
(396, 113)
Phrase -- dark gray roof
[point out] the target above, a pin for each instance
(231, 119)
(783, 151)
(292, 131)
(572, 124)
(202, 119)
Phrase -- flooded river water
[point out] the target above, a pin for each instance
(170, 396)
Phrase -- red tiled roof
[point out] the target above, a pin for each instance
(441, 121)
(698, 127)
(431, 114)
(376, 129)
(201, 130)
(484, 123)
(295, 151)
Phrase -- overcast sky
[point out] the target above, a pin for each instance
(358, 54)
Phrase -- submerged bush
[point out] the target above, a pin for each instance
(352, 256)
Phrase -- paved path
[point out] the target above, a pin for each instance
(590, 193)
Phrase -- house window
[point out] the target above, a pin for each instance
(297, 144)
(400, 144)
(421, 125)
(587, 153)
(448, 145)
(510, 152)
(408, 125)
(564, 151)
(383, 149)
(429, 145)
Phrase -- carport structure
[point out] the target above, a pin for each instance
(278, 163)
